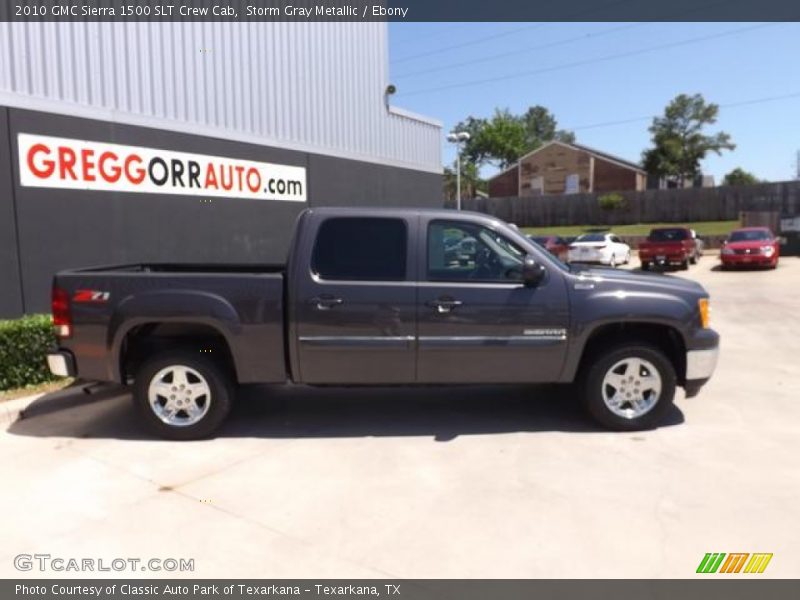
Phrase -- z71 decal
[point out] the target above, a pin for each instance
(91, 296)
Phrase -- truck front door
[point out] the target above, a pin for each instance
(477, 322)
(355, 311)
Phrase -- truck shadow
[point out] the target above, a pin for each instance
(442, 413)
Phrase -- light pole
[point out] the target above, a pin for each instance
(457, 137)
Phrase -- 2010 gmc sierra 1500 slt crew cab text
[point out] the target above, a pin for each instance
(377, 297)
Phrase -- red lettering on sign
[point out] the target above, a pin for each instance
(114, 172)
(66, 162)
(254, 183)
(211, 178)
(48, 166)
(239, 171)
(229, 184)
(88, 165)
(138, 175)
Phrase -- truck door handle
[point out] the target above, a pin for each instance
(326, 301)
(444, 305)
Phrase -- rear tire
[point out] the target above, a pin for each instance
(685, 265)
(181, 395)
(645, 266)
(630, 387)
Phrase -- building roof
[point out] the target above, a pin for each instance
(602, 155)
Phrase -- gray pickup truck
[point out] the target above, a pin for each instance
(384, 297)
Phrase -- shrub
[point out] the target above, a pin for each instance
(612, 202)
(23, 351)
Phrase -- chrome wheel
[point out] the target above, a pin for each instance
(631, 388)
(179, 395)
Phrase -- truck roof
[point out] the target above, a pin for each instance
(443, 213)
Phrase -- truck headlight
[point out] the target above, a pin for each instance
(702, 304)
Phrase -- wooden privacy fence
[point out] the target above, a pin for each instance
(651, 206)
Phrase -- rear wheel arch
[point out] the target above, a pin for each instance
(142, 340)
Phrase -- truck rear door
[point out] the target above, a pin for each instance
(355, 310)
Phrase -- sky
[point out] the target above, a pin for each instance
(593, 75)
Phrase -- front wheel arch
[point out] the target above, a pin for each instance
(664, 337)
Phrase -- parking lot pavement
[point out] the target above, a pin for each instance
(437, 482)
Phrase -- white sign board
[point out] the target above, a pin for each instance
(572, 184)
(54, 162)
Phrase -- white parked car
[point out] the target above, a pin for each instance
(604, 248)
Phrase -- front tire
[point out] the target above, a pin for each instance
(181, 395)
(631, 387)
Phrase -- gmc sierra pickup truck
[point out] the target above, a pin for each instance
(378, 297)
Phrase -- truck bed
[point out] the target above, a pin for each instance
(241, 304)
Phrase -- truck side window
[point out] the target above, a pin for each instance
(361, 249)
(459, 251)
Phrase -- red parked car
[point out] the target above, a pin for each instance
(555, 245)
(750, 247)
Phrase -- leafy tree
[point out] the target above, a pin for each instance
(471, 183)
(679, 144)
(740, 177)
(504, 138)
(541, 127)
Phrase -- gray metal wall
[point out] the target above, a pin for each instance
(59, 228)
(313, 87)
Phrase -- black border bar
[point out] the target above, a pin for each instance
(400, 10)
(711, 587)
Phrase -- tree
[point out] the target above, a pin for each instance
(740, 177)
(471, 183)
(504, 138)
(679, 144)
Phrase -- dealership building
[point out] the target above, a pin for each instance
(192, 142)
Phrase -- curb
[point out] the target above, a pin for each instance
(11, 410)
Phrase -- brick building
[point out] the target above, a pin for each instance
(561, 168)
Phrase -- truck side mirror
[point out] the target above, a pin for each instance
(532, 272)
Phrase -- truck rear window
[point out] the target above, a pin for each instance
(361, 249)
(668, 235)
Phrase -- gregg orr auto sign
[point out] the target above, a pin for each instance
(54, 162)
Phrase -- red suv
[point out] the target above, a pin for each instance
(750, 247)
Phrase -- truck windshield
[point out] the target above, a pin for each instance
(668, 235)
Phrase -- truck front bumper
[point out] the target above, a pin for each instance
(701, 361)
(61, 363)
(700, 364)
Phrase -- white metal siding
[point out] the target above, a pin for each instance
(312, 86)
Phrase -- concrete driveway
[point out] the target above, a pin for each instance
(472, 482)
